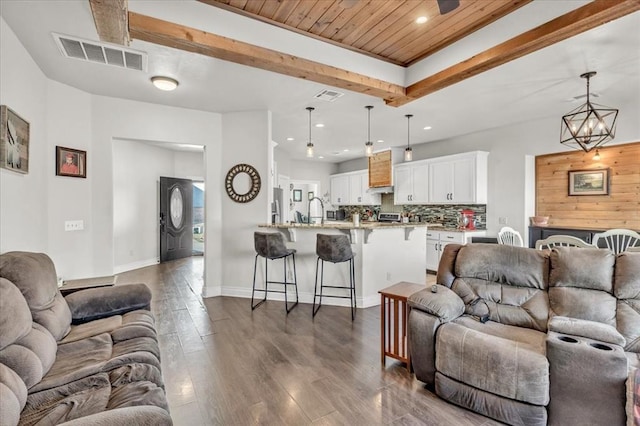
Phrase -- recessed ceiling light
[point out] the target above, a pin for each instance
(321, 157)
(421, 20)
(345, 150)
(319, 125)
(290, 139)
(427, 128)
(380, 141)
(164, 83)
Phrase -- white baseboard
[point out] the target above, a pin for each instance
(135, 265)
(245, 292)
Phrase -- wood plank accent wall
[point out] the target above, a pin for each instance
(619, 209)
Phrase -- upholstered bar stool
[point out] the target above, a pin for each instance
(334, 249)
(270, 245)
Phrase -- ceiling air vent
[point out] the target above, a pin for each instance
(101, 53)
(328, 95)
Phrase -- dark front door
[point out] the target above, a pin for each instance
(176, 228)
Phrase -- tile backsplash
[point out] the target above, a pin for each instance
(433, 213)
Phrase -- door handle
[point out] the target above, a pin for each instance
(162, 222)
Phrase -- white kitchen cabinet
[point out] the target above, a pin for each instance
(438, 240)
(459, 179)
(340, 190)
(411, 183)
(352, 189)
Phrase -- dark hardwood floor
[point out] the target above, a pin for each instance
(226, 365)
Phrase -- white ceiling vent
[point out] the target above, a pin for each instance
(101, 53)
(328, 95)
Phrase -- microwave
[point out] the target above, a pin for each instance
(339, 214)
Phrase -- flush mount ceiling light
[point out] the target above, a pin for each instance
(310, 144)
(368, 146)
(421, 20)
(590, 125)
(164, 83)
(408, 152)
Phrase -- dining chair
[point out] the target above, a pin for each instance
(617, 240)
(510, 237)
(562, 240)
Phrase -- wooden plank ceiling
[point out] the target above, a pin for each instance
(384, 29)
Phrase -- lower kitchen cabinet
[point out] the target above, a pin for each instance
(437, 241)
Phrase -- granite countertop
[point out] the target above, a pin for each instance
(346, 225)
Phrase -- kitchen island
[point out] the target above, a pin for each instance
(385, 253)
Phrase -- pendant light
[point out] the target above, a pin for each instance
(368, 147)
(408, 152)
(310, 144)
(590, 125)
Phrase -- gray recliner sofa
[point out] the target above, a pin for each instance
(91, 358)
(530, 337)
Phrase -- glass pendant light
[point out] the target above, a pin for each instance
(408, 152)
(310, 144)
(368, 147)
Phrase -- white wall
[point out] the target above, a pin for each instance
(23, 198)
(247, 137)
(35, 206)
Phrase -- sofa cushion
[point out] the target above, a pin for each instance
(35, 276)
(510, 281)
(15, 316)
(581, 284)
(626, 288)
(27, 347)
(13, 396)
(500, 365)
(582, 268)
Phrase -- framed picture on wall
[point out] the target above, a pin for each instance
(14, 141)
(71, 162)
(297, 195)
(589, 182)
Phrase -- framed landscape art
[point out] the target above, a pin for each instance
(589, 182)
(14, 141)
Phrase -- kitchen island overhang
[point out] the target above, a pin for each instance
(385, 253)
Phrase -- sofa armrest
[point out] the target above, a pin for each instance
(443, 304)
(95, 303)
(139, 415)
(589, 329)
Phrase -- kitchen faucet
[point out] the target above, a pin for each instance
(309, 210)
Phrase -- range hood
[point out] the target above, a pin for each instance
(380, 190)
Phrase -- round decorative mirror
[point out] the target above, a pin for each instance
(242, 183)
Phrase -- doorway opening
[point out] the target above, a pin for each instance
(198, 218)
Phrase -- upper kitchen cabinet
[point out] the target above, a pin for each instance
(340, 190)
(352, 189)
(411, 183)
(459, 179)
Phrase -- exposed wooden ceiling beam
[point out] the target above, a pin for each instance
(110, 17)
(169, 34)
(575, 22)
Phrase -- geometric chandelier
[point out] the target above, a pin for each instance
(590, 125)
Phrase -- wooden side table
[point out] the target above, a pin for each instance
(394, 314)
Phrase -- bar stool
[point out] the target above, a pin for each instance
(334, 249)
(270, 245)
